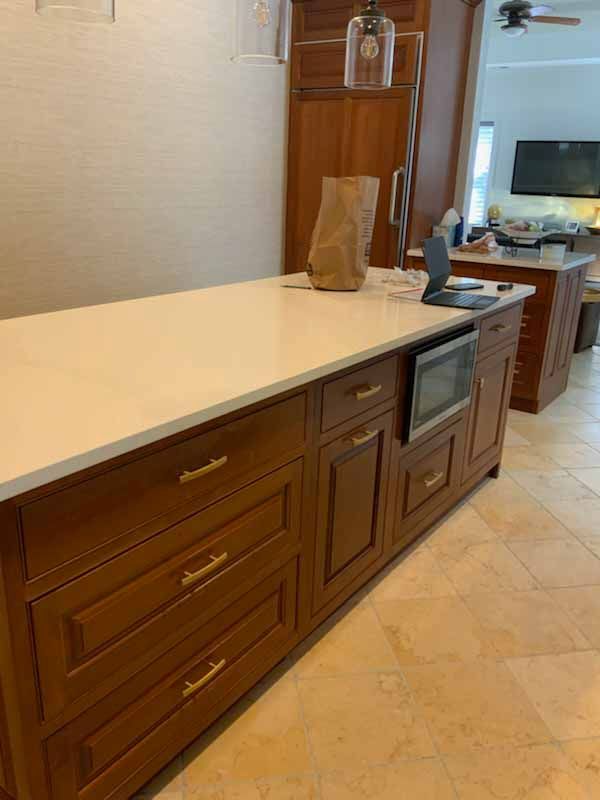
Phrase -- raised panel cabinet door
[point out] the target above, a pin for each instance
(342, 133)
(316, 150)
(352, 493)
(378, 145)
(489, 407)
(322, 20)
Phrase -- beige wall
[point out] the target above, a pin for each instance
(135, 159)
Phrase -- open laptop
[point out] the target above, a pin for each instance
(438, 265)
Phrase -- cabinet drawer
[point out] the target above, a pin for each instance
(103, 753)
(116, 616)
(347, 397)
(322, 65)
(532, 337)
(73, 521)
(525, 379)
(429, 473)
(500, 328)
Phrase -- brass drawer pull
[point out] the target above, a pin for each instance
(366, 436)
(215, 563)
(500, 328)
(432, 478)
(369, 391)
(215, 463)
(192, 688)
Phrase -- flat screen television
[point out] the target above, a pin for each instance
(557, 169)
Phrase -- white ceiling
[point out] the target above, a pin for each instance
(548, 43)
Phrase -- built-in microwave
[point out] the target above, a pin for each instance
(441, 381)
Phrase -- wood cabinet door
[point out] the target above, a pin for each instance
(489, 407)
(352, 493)
(320, 20)
(342, 133)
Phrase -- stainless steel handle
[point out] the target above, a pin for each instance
(396, 221)
(480, 382)
(369, 391)
(366, 436)
(432, 478)
(192, 688)
(194, 577)
(215, 463)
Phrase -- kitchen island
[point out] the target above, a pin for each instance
(550, 318)
(190, 484)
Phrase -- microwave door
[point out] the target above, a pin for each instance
(442, 383)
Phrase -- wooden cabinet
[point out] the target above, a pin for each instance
(319, 20)
(117, 659)
(489, 408)
(429, 474)
(322, 66)
(339, 133)
(98, 754)
(351, 500)
(547, 332)
(345, 133)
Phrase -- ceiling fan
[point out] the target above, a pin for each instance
(517, 14)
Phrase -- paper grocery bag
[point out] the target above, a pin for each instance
(341, 242)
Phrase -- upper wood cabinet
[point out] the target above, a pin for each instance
(322, 66)
(339, 133)
(319, 20)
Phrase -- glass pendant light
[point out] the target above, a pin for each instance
(77, 10)
(262, 32)
(370, 49)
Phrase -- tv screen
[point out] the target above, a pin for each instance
(557, 169)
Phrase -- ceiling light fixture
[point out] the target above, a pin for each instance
(77, 10)
(262, 32)
(370, 49)
(515, 29)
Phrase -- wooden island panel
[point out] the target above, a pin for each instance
(121, 657)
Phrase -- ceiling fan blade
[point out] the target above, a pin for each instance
(557, 20)
(541, 11)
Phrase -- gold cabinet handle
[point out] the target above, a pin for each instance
(480, 382)
(369, 391)
(194, 577)
(363, 438)
(500, 328)
(214, 464)
(192, 688)
(432, 478)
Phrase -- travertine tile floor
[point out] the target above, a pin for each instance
(469, 671)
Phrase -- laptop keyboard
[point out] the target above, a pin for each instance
(461, 300)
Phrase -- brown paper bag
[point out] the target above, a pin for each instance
(341, 241)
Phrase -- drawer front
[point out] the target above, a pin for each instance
(498, 329)
(525, 379)
(467, 269)
(347, 397)
(532, 337)
(531, 277)
(429, 473)
(139, 603)
(71, 522)
(97, 756)
(322, 66)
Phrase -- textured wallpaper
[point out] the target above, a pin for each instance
(135, 159)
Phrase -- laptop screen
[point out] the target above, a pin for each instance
(438, 264)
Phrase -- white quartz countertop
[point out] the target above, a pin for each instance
(85, 385)
(529, 259)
